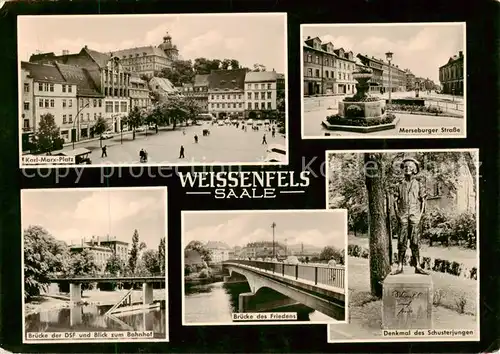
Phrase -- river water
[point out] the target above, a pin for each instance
(89, 318)
(214, 304)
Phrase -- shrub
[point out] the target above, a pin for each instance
(205, 273)
(365, 253)
(365, 99)
(354, 111)
(354, 250)
(460, 302)
(464, 228)
(437, 297)
(338, 120)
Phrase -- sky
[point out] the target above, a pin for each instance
(71, 214)
(249, 38)
(317, 228)
(422, 48)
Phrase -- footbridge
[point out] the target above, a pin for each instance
(75, 283)
(319, 287)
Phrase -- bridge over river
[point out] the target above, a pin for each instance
(319, 287)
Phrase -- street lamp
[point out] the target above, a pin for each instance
(388, 56)
(273, 226)
(77, 119)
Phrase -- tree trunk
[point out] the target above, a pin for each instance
(100, 140)
(156, 128)
(133, 134)
(377, 231)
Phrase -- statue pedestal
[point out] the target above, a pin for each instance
(407, 301)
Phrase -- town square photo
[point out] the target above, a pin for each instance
(94, 264)
(397, 80)
(413, 257)
(183, 89)
(264, 267)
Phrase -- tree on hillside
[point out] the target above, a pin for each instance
(230, 64)
(99, 127)
(180, 73)
(134, 252)
(199, 247)
(47, 137)
(161, 255)
(43, 255)
(259, 67)
(203, 66)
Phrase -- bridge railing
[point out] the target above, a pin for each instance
(104, 276)
(319, 274)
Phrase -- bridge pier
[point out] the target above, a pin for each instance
(235, 278)
(75, 292)
(147, 293)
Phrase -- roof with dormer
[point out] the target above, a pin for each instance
(227, 79)
(80, 77)
(43, 72)
(137, 52)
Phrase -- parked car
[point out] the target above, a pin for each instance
(220, 123)
(250, 122)
(107, 134)
(206, 116)
(140, 129)
(267, 122)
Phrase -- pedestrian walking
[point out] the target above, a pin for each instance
(142, 155)
(196, 139)
(264, 141)
(104, 151)
(181, 153)
(273, 133)
(332, 264)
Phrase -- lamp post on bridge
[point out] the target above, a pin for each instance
(273, 226)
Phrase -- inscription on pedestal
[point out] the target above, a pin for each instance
(407, 302)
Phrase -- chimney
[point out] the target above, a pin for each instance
(461, 53)
(65, 52)
(308, 37)
(85, 46)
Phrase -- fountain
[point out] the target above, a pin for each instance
(361, 113)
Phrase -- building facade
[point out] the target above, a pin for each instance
(162, 88)
(451, 75)
(219, 251)
(51, 94)
(385, 77)
(226, 89)
(410, 80)
(260, 93)
(148, 60)
(327, 70)
(102, 249)
(139, 93)
(27, 122)
(108, 77)
(200, 92)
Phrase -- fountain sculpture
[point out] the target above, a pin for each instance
(361, 113)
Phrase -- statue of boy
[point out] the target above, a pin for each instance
(409, 205)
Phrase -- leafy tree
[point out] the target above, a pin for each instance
(134, 252)
(192, 108)
(114, 265)
(328, 252)
(47, 136)
(176, 111)
(235, 64)
(154, 116)
(206, 254)
(180, 73)
(203, 66)
(150, 260)
(43, 255)
(134, 120)
(100, 126)
(259, 67)
(161, 255)
(83, 263)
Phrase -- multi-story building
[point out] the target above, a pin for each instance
(383, 75)
(226, 90)
(162, 88)
(410, 80)
(90, 102)
(50, 94)
(451, 75)
(260, 93)
(102, 249)
(26, 117)
(139, 93)
(200, 92)
(148, 60)
(219, 251)
(327, 70)
(108, 77)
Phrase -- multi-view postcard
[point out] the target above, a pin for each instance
(413, 257)
(185, 89)
(94, 265)
(399, 80)
(264, 267)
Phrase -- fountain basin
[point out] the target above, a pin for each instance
(372, 109)
(386, 122)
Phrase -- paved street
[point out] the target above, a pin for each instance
(313, 128)
(226, 144)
